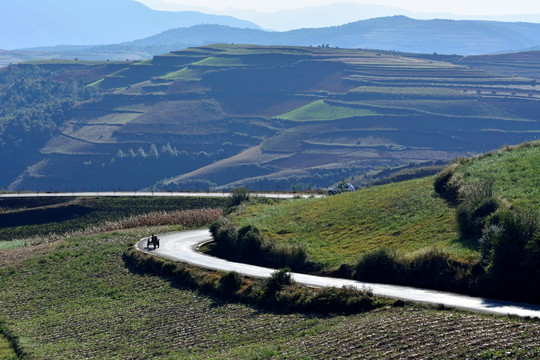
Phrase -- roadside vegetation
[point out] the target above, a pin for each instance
(477, 233)
(497, 197)
(41, 218)
(278, 293)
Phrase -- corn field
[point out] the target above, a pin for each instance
(187, 218)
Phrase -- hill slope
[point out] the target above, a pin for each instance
(268, 117)
(405, 216)
(485, 242)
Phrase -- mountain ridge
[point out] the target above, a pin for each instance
(396, 33)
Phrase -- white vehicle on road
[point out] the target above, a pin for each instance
(340, 188)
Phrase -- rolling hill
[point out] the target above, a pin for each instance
(398, 33)
(221, 116)
(473, 228)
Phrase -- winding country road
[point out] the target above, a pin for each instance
(182, 246)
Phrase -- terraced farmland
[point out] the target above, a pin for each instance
(182, 120)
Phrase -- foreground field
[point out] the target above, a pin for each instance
(76, 299)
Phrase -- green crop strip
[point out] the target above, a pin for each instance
(322, 111)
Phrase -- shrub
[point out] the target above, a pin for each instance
(248, 245)
(238, 196)
(346, 300)
(473, 215)
(515, 254)
(489, 234)
(381, 265)
(448, 181)
(277, 281)
(436, 269)
(229, 284)
(224, 233)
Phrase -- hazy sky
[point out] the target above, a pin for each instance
(458, 7)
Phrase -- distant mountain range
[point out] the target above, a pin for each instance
(398, 33)
(37, 23)
(342, 13)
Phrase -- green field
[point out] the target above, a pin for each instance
(322, 111)
(405, 216)
(220, 61)
(186, 74)
(77, 300)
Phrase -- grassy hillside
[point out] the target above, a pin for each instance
(513, 171)
(473, 228)
(406, 216)
(323, 111)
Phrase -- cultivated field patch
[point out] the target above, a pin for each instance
(75, 299)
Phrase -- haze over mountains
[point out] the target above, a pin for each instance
(126, 29)
(396, 33)
(343, 13)
(37, 23)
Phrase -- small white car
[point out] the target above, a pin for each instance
(339, 189)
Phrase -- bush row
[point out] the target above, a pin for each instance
(277, 293)
(508, 237)
(248, 245)
(433, 269)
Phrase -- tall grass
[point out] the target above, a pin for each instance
(513, 172)
(186, 218)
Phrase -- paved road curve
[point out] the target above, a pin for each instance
(181, 246)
